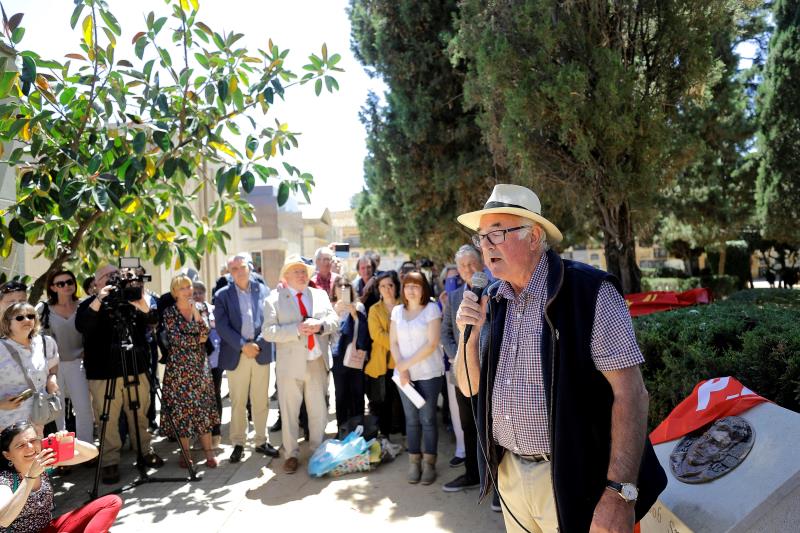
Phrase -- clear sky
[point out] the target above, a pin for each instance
(332, 144)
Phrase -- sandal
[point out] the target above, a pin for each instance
(211, 460)
(182, 462)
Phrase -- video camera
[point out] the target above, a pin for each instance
(128, 282)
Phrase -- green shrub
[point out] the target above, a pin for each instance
(766, 296)
(757, 344)
(669, 284)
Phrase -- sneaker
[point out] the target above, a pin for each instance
(236, 454)
(496, 507)
(460, 483)
(456, 461)
(267, 449)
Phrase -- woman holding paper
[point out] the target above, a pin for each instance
(414, 338)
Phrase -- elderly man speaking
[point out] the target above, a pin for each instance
(562, 408)
(299, 320)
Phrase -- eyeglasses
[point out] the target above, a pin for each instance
(29, 442)
(20, 318)
(65, 283)
(495, 237)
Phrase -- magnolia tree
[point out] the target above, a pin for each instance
(110, 152)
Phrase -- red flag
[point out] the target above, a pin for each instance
(644, 303)
(710, 400)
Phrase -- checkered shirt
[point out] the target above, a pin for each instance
(519, 401)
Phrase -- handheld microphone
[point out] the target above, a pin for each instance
(479, 282)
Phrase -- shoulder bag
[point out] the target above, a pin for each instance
(45, 406)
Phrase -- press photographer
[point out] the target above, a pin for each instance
(113, 320)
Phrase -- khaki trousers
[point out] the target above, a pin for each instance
(290, 397)
(527, 491)
(248, 379)
(121, 401)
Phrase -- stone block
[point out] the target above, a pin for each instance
(761, 495)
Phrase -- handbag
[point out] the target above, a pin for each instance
(352, 357)
(45, 406)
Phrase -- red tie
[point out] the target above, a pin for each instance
(304, 312)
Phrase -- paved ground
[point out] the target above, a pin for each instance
(255, 492)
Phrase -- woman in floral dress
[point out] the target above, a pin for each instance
(188, 390)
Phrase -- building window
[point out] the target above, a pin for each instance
(257, 261)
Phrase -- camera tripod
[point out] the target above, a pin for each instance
(130, 378)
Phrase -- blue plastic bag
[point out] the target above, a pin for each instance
(332, 452)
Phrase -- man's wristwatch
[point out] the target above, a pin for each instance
(626, 491)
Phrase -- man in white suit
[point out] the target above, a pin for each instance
(299, 320)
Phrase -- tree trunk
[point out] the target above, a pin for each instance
(723, 250)
(620, 246)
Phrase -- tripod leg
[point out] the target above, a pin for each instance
(107, 398)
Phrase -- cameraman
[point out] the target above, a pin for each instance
(102, 360)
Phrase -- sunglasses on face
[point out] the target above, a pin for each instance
(65, 283)
(20, 318)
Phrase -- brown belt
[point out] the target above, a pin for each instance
(536, 458)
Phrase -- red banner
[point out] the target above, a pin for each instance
(644, 303)
(710, 400)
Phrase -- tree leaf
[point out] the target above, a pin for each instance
(76, 56)
(158, 24)
(16, 231)
(88, 24)
(248, 181)
(100, 197)
(138, 49)
(14, 21)
(318, 87)
(222, 147)
(76, 14)
(17, 35)
(28, 69)
(139, 142)
(202, 59)
(162, 255)
(283, 193)
(109, 19)
(7, 80)
(132, 206)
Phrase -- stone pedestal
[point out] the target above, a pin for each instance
(761, 495)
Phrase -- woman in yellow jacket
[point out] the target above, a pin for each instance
(384, 399)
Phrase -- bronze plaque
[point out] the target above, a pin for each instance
(713, 451)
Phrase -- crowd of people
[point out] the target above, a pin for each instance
(377, 334)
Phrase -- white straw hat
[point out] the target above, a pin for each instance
(513, 200)
(295, 259)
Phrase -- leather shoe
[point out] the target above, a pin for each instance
(267, 449)
(152, 460)
(110, 474)
(276, 426)
(290, 465)
(236, 454)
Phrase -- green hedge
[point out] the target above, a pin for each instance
(781, 297)
(757, 343)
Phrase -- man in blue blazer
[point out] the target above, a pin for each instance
(244, 354)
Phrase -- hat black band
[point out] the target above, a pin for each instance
(492, 205)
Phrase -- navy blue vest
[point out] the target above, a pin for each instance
(579, 402)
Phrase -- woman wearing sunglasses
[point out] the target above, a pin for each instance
(22, 346)
(57, 317)
(26, 494)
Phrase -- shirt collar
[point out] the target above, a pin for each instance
(536, 284)
(243, 291)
